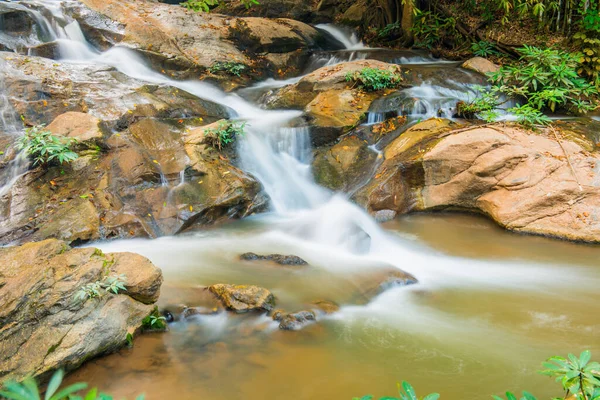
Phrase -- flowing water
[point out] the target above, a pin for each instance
(488, 307)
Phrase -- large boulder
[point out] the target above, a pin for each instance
(43, 326)
(161, 32)
(41, 89)
(531, 182)
(331, 103)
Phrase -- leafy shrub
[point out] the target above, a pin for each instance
(388, 29)
(429, 28)
(406, 392)
(231, 68)
(46, 148)
(484, 48)
(546, 79)
(224, 134)
(588, 40)
(205, 5)
(154, 321)
(28, 390)
(373, 79)
(113, 283)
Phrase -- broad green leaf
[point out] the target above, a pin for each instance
(54, 383)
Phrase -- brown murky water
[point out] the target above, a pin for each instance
(491, 306)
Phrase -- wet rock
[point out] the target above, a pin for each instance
(42, 89)
(243, 298)
(297, 320)
(346, 165)
(81, 126)
(520, 179)
(278, 314)
(160, 32)
(43, 328)
(277, 258)
(189, 312)
(326, 306)
(378, 279)
(481, 65)
(331, 104)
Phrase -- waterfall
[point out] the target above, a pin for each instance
(349, 40)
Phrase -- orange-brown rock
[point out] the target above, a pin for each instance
(44, 326)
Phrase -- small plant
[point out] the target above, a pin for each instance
(388, 29)
(529, 116)
(154, 321)
(484, 49)
(29, 390)
(578, 376)
(406, 392)
(46, 148)
(373, 79)
(206, 5)
(108, 284)
(224, 134)
(484, 105)
(231, 68)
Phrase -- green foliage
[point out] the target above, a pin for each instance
(484, 48)
(206, 5)
(28, 390)
(224, 134)
(578, 376)
(154, 321)
(529, 116)
(546, 79)
(430, 28)
(406, 392)
(46, 148)
(483, 106)
(588, 40)
(389, 29)
(231, 68)
(108, 284)
(373, 79)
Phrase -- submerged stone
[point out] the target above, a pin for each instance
(277, 258)
(243, 298)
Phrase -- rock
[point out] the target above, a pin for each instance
(42, 89)
(160, 32)
(378, 279)
(344, 166)
(43, 328)
(296, 321)
(81, 126)
(332, 106)
(480, 65)
(277, 258)
(243, 298)
(520, 179)
(127, 181)
(326, 306)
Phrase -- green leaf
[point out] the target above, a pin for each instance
(432, 396)
(585, 358)
(92, 394)
(69, 390)
(54, 384)
(408, 389)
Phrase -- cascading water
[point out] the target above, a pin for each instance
(338, 239)
(350, 41)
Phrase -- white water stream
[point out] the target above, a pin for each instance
(326, 229)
